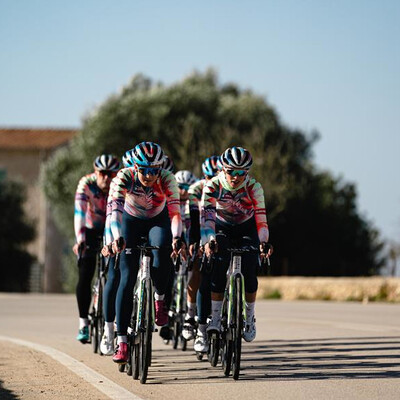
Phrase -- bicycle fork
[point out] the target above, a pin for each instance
(144, 277)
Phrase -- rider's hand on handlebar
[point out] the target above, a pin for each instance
(210, 248)
(118, 245)
(194, 250)
(107, 251)
(266, 250)
(79, 248)
(178, 247)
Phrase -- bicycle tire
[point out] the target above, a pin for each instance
(130, 349)
(184, 343)
(176, 334)
(146, 332)
(100, 316)
(214, 349)
(238, 328)
(94, 335)
(226, 344)
(121, 367)
(135, 361)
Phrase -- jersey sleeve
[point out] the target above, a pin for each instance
(122, 181)
(108, 237)
(81, 206)
(195, 192)
(170, 187)
(256, 193)
(209, 201)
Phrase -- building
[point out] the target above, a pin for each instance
(22, 152)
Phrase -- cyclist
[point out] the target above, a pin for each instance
(168, 165)
(113, 276)
(89, 219)
(185, 179)
(209, 168)
(145, 201)
(234, 206)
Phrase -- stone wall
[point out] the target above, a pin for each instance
(339, 289)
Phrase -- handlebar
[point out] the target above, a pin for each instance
(194, 255)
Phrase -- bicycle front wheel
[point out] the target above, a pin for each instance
(146, 331)
(226, 342)
(238, 328)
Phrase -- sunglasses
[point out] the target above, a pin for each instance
(236, 172)
(184, 186)
(108, 173)
(149, 171)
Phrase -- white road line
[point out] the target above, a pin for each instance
(100, 382)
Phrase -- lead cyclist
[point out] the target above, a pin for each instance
(145, 202)
(234, 206)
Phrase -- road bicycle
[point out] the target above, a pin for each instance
(142, 319)
(96, 316)
(227, 345)
(178, 307)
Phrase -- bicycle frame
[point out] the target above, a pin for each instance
(234, 270)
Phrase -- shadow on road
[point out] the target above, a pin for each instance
(6, 394)
(282, 360)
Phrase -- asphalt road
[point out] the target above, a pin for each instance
(303, 350)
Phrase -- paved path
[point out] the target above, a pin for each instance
(303, 350)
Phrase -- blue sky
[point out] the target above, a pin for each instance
(333, 66)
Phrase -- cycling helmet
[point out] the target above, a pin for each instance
(219, 164)
(127, 159)
(185, 178)
(236, 158)
(168, 165)
(106, 162)
(210, 166)
(148, 154)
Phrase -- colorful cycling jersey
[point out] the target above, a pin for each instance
(195, 194)
(185, 216)
(108, 237)
(131, 196)
(233, 206)
(90, 207)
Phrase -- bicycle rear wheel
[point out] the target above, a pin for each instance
(237, 329)
(214, 349)
(183, 343)
(100, 316)
(177, 330)
(146, 332)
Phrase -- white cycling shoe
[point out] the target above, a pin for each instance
(107, 346)
(214, 325)
(200, 344)
(249, 333)
(188, 329)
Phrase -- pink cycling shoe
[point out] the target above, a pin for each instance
(161, 313)
(121, 353)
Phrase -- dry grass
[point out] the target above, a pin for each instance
(337, 289)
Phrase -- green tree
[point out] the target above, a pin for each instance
(193, 119)
(15, 233)
(320, 232)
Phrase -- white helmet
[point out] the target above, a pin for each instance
(185, 178)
